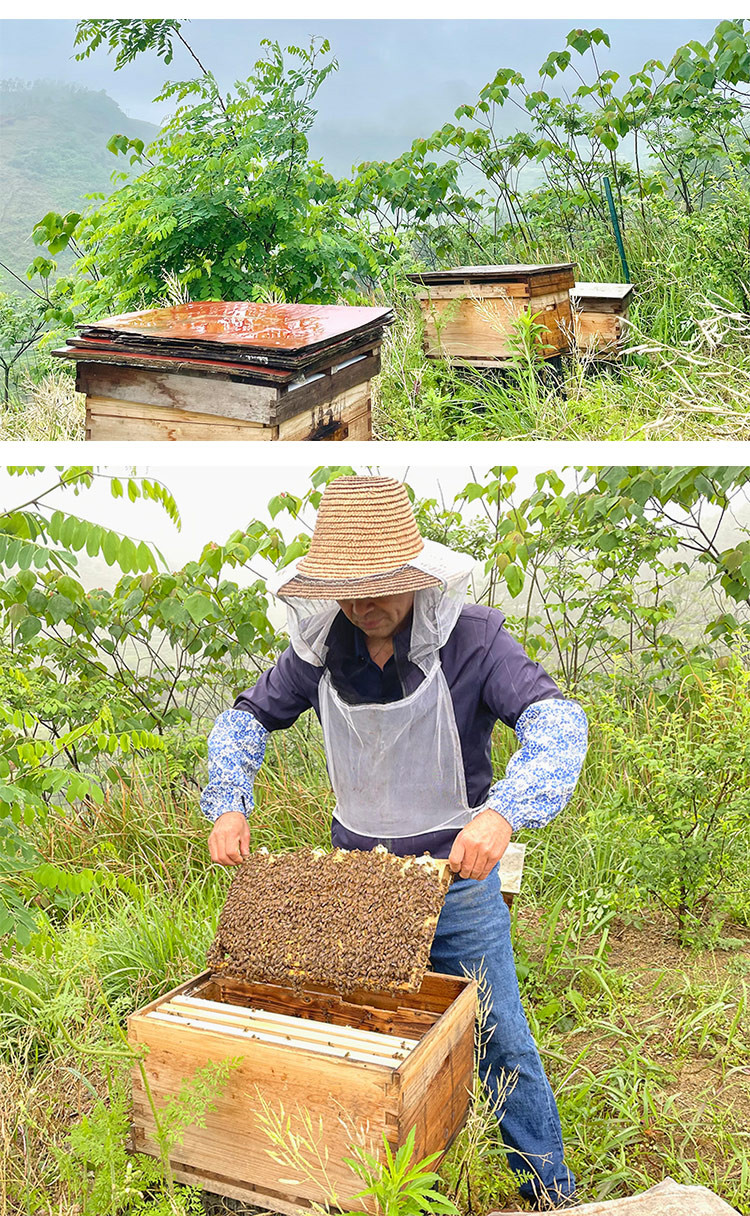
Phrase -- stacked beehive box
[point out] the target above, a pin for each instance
(469, 312)
(230, 371)
(600, 317)
(343, 1062)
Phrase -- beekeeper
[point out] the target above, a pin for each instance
(408, 681)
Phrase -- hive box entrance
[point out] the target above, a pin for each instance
(346, 1068)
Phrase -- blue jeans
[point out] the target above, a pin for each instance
(473, 936)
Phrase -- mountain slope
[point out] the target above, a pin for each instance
(53, 151)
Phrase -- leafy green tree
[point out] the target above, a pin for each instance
(595, 567)
(22, 323)
(227, 201)
(685, 792)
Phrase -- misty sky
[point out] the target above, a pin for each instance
(213, 502)
(397, 79)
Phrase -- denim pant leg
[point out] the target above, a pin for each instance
(473, 936)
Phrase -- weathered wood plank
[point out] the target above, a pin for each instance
(345, 416)
(598, 332)
(607, 292)
(496, 273)
(180, 391)
(487, 291)
(115, 420)
(218, 1184)
(328, 384)
(234, 1142)
(475, 328)
(436, 1078)
(343, 1100)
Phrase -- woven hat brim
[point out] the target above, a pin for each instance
(408, 578)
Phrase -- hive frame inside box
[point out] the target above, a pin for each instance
(471, 321)
(354, 1095)
(134, 401)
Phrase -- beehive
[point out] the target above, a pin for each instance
(348, 1069)
(230, 371)
(469, 312)
(600, 316)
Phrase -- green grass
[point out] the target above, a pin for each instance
(696, 389)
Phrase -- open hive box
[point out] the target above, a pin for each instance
(469, 312)
(230, 371)
(344, 1067)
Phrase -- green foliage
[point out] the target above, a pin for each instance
(96, 1168)
(103, 847)
(104, 1179)
(21, 325)
(598, 563)
(685, 793)
(127, 38)
(398, 1186)
(227, 203)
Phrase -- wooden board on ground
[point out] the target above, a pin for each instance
(669, 1198)
(470, 313)
(337, 1084)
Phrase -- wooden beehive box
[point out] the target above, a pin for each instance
(469, 312)
(356, 1066)
(230, 371)
(600, 316)
(132, 402)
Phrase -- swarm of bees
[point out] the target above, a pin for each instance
(346, 920)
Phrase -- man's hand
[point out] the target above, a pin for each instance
(479, 846)
(229, 841)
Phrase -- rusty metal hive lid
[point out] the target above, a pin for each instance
(283, 327)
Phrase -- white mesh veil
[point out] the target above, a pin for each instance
(436, 609)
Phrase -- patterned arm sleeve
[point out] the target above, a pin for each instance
(542, 774)
(236, 747)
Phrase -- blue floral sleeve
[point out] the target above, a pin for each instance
(542, 774)
(236, 747)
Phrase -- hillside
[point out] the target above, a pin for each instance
(53, 151)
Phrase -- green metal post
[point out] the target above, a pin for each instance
(616, 226)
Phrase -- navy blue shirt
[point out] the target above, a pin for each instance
(489, 675)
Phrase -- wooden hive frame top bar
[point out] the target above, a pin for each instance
(279, 1030)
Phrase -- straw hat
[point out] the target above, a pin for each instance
(364, 540)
